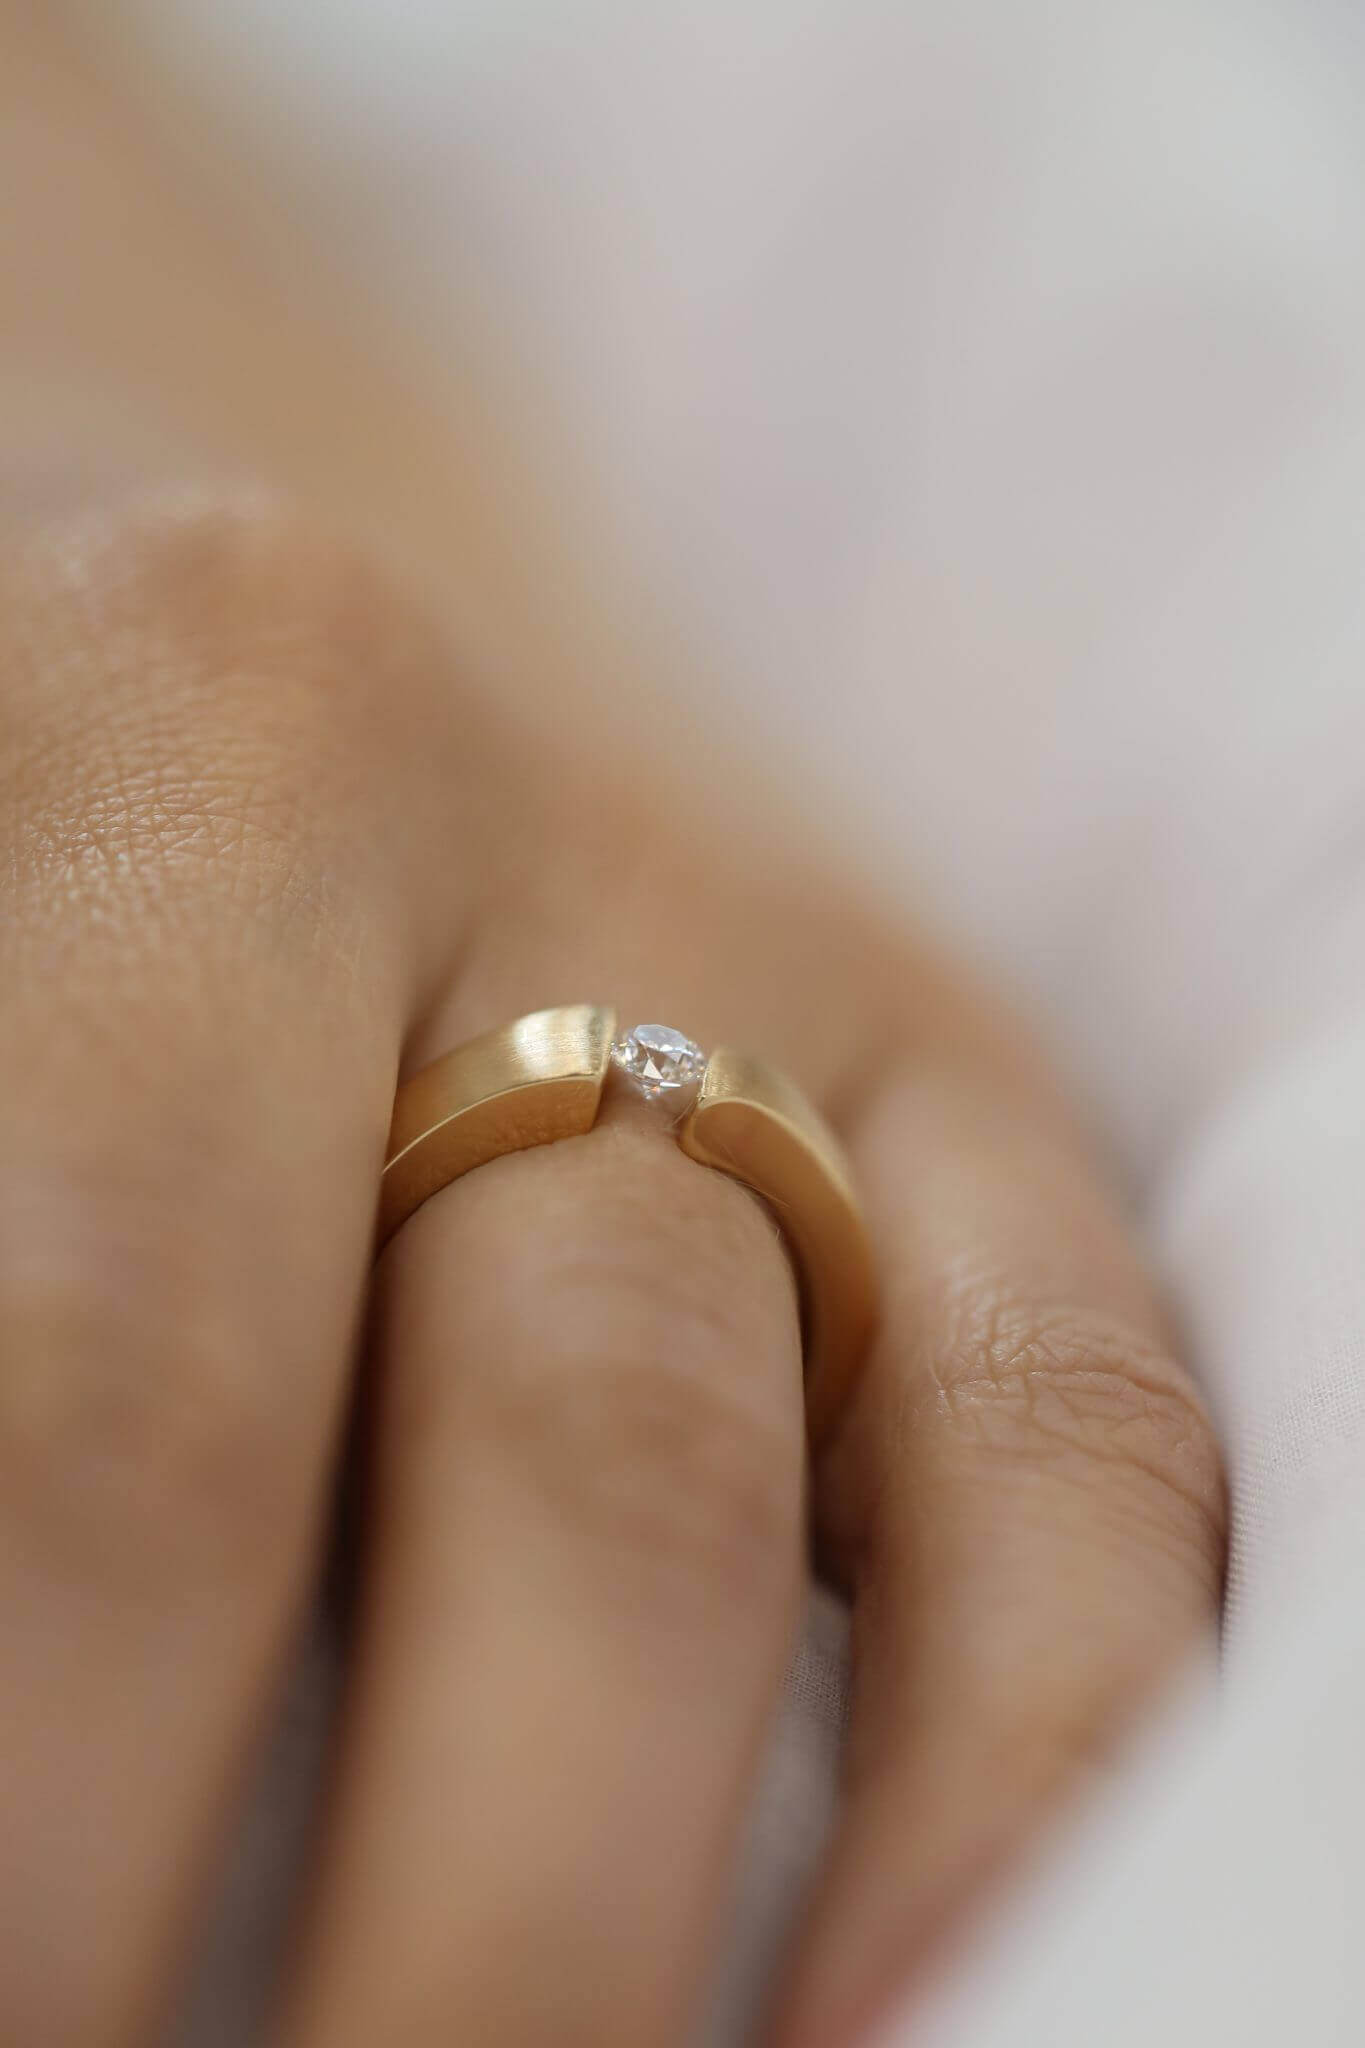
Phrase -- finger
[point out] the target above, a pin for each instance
(198, 1023)
(585, 1534)
(1028, 1503)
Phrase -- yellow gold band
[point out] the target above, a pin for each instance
(541, 1078)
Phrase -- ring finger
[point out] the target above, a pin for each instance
(585, 1550)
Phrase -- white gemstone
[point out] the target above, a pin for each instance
(658, 1059)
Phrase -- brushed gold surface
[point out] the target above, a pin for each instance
(526, 1083)
(752, 1123)
(541, 1078)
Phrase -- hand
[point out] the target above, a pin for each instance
(263, 842)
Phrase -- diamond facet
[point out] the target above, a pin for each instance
(658, 1059)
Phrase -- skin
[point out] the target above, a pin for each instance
(263, 845)
(266, 842)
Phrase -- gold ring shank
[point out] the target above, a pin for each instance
(541, 1078)
(752, 1123)
(525, 1084)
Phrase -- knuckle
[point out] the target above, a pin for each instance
(204, 679)
(632, 1366)
(1095, 1401)
(669, 1468)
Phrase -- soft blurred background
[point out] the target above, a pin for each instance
(963, 406)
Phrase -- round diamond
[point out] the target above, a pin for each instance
(659, 1059)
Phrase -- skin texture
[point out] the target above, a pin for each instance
(266, 839)
(264, 842)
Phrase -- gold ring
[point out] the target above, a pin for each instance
(541, 1078)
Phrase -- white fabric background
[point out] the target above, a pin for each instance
(983, 387)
